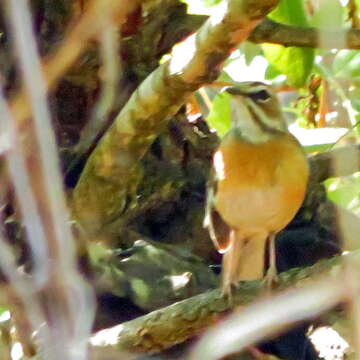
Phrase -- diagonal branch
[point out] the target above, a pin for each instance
(112, 171)
(176, 323)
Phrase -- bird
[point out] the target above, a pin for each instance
(258, 183)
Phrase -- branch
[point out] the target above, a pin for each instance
(288, 35)
(112, 171)
(323, 166)
(176, 323)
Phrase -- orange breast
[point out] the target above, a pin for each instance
(260, 186)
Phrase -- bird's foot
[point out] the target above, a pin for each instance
(226, 292)
(271, 279)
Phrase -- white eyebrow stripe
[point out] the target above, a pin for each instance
(255, 89)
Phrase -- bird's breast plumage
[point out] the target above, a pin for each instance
(260, 186)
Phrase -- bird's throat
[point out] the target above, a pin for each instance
(250, 125)
(245, 125)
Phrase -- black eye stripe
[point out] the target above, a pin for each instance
(261, 95)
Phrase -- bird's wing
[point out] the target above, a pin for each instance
(219, 230)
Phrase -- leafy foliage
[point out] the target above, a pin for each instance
(347, 64)
(321, 18)
(345, 192)
(220, 114)
(211, 2)
(295, 63)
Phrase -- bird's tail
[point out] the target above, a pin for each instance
(244, 259)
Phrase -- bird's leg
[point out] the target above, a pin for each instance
(229, 266)
(226, 292)
(226, 288)
(271, 276)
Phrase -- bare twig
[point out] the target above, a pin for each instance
(25, 288)
(76, 41)
(72, 307)
(110, 75)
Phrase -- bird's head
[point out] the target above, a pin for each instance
(255, 111)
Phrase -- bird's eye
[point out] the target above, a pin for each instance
(261, 96)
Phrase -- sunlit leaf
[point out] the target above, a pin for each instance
(3, 310)
(321, 18)
(345, 192)
(220, 114)
(295, 63)
(250, 51)
(347, 63)
(290, 12)
(357, 126)
(354, 96)
(271, 72)
(225, 77)
(211, 2)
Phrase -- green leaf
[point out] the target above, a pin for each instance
(291, 12)
(354, 96)
(3, 310)
(225, 77)
(347, 63)
(295, 63)
(357, 126)
(271, 72)
(250, 51)
(345, 192)
(209, 3)
(220, 114)
(321, 18)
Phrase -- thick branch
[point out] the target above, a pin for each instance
(337, 162)
(112, 172)
(288, 35)
(174, 324)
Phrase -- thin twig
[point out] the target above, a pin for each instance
(65, 283)
(76, 41)
(110, 76)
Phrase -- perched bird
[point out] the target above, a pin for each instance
(259, 181)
